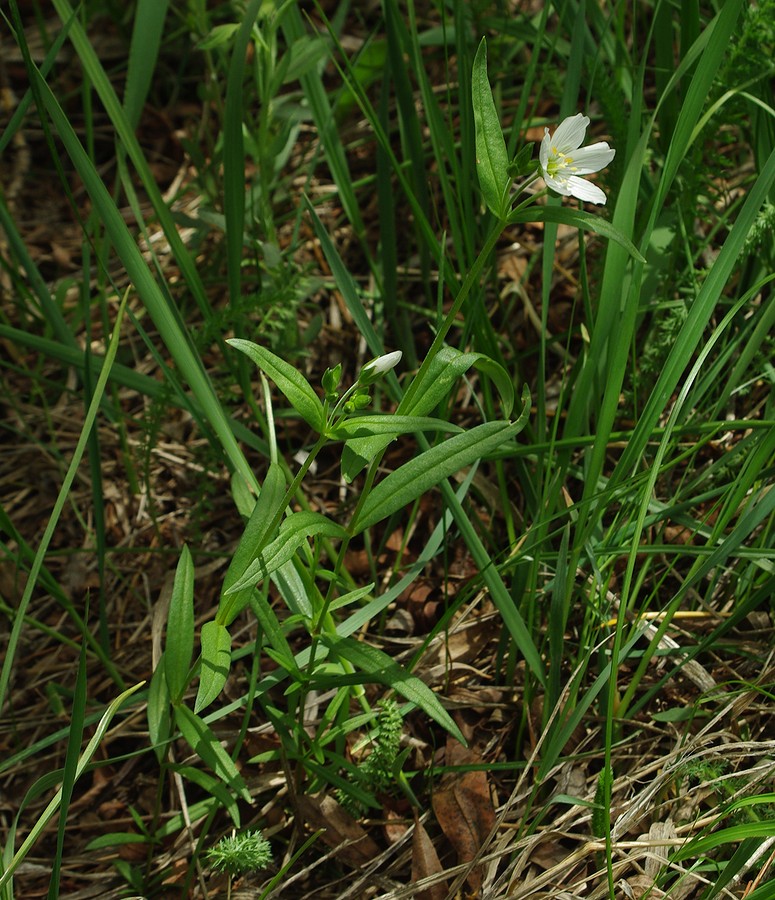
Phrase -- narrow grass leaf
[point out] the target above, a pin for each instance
(346, 284)
(91, 415)
(234, 152)
(701, 846)
(147, 30)
(684, 346)
(165, 316)
(129, 143)
(44, 817)
(70, 771)
(325, 122)
(116, 839)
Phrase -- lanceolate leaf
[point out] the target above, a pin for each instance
(253, 540)
(207, 746)
(500, 378)
(206, 781)
(429, 468)
(293, 532)
(291, 382)
(179, 646)
(158, 712)
(216, 662)
(492, 159)
(577, 218)
(366, 426)
(383, 669)
(445, 369)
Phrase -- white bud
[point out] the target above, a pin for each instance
(378, 367)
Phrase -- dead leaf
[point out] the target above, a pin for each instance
(660, 835)
(462, 646)
(426, 862)
(395, 826)
(463, 808)
(352, 844)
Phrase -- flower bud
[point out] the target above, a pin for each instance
(376, 368)
(331, 379)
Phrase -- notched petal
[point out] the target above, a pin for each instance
(570, 133)
(592, 158)
(585, 190)
(558, 185)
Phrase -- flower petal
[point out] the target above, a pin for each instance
(584, 190)
(570, 133)
(545, 149)
(558, 184)
(592, 158)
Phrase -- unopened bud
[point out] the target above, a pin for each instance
(375, 369)
(331, 379)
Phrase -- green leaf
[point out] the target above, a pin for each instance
(305, 54)
(521, 164)
(117, 839)
(294, 531)
(146, 39)
(274, 635)
(577, 218)
(351, 597)
(254, 538)
(206, 781)
(383, 669)
(418, 475)
(492, 161)
(392, 425)
(500, 378)
(207, 746)
(704, 844)
(163, 312)
(43, 818)
(217, 36)
(233, 150)
(158, 711)
(445, 369)
(291, 382)
(179, 645)
(216, 662)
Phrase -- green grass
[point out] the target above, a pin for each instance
(616, 543)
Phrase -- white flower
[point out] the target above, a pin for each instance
(376, 368)
(563, 159)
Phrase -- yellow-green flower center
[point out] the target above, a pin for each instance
(558, 163)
